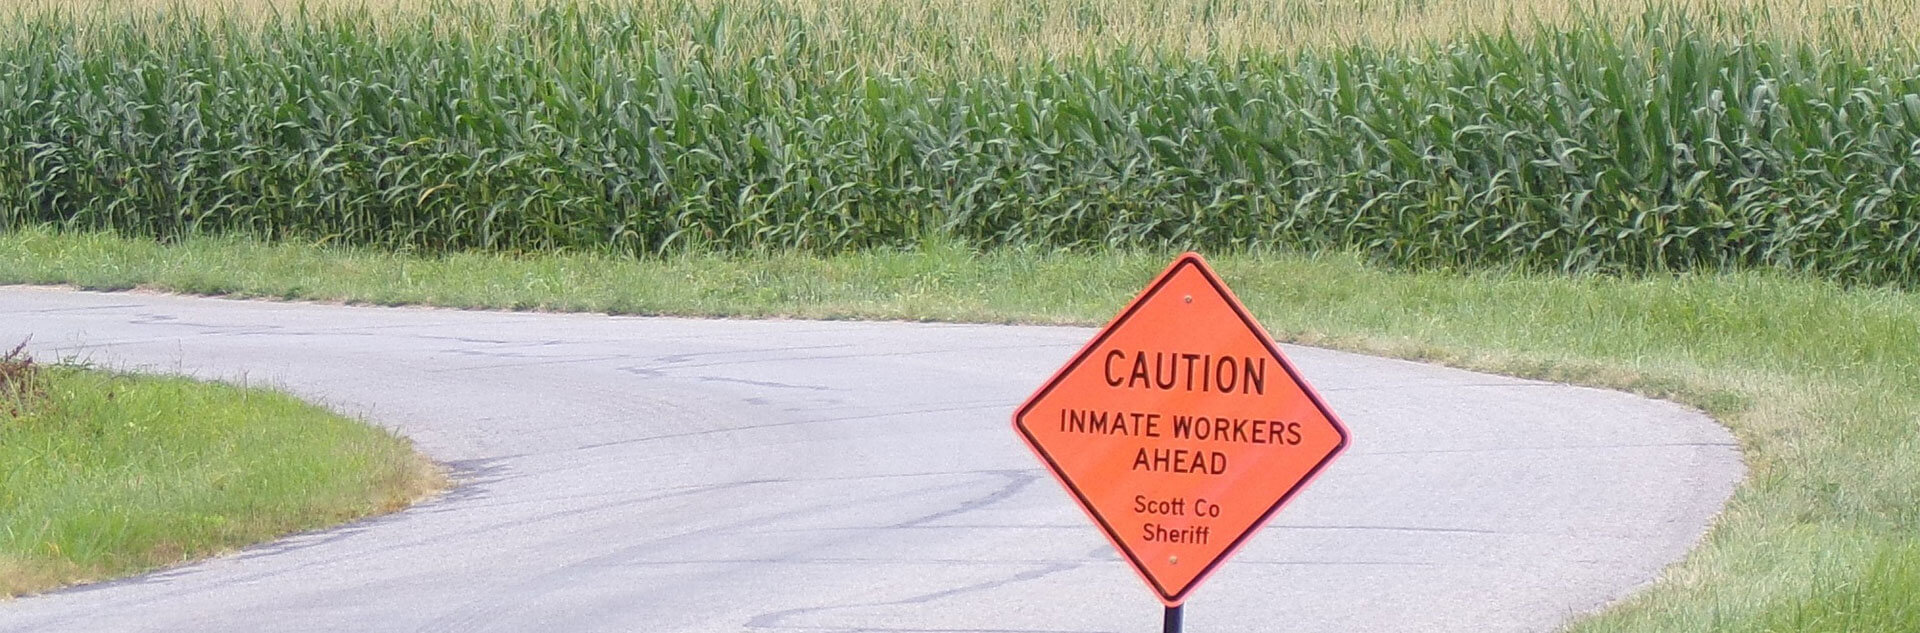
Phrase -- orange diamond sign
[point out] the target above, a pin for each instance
(1180, 428)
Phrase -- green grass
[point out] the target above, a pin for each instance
(1668, 135)
(1821, 383)
(104, 475)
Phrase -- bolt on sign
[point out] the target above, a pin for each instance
(1180, 429)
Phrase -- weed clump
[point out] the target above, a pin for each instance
(23, 384)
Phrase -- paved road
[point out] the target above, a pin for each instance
(647, 474)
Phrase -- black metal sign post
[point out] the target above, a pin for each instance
(1172, 623)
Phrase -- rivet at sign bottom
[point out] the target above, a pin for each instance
(1173, 560)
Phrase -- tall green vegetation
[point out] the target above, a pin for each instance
(1681, 139)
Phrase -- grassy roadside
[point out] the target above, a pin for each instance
(1820, 383)
(104, 475)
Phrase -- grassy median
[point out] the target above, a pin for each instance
(105, 474)
(1820, 382)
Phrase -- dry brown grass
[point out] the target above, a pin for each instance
(20, 577)
(21, 383)
(1004, 31)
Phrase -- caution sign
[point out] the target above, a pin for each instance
(1180, 428)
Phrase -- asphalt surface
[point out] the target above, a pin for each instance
(653, 474)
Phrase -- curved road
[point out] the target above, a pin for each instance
(650, 474)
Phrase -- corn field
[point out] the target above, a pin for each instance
(1664, 139)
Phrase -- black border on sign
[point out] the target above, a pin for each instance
(1019, 418)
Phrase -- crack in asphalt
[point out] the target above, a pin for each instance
(482, 610)
(1513, 449)
(774, 620)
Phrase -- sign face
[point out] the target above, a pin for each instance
(1180, 428)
